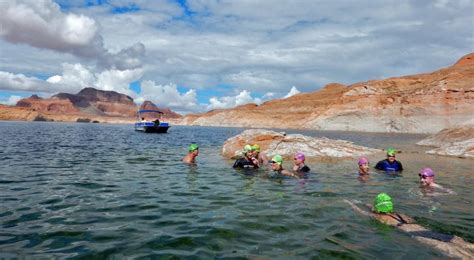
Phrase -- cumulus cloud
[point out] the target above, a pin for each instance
(293, 91)
(244, 97)
(169, 96)
(12, 100)
(308, 44)
(76, 77)
(42, 24)
(20, 82)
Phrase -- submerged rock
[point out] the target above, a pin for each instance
(457, 141)
(272, 143)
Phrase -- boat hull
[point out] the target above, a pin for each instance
(151, 127)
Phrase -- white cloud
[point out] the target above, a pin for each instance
(11, 101)
(308, 44)
(244, 97)
(268, 95)
(76, 77)
(118, 80)
(20, 82)
(42, 24)
(293, 91)
(168, 96)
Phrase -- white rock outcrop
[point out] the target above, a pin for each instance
(273, 143)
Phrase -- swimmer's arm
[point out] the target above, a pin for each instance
(290, 174)
(356, 208)
(449, 191)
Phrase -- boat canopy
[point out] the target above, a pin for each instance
(148, 110)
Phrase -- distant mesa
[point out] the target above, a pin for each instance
(89, 105)
(167, 113)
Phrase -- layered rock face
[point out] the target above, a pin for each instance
(272, 143)
(167, 113)
(88, 105)
(424, 103)
(17, 113)
(457, 141)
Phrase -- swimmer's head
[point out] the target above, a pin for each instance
(363, 160)
(193, 147)
(300, 156)
(426, 176)
(256, 148)
(363, 165)
(248, 148)
(391, 154)
(426, 172)
(276, 159)
(383, 203)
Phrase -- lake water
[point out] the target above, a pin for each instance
(98, 190)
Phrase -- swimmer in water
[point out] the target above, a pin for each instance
(277, 167)
(299, 165)
(390, 164)
(193, 152)
(427, 181)
(363, 166)
(382, 210)
(248, 161)
(261, 157)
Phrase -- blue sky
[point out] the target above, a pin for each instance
(193, 56)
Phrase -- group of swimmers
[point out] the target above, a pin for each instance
(382, 208)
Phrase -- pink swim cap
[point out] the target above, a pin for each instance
(427, 172)
(363, 160)
(299, 156)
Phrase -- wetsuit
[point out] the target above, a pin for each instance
(304, 169)
(385, 165)
(243, 163)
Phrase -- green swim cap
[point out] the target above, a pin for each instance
(391, 151)
(193, 147)
(256, 147)
(277, 159)
(248, 148)
(383, 203)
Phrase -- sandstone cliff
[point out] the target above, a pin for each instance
(88, 105)
(167, 113)
(423, 103)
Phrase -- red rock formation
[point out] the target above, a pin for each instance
(53, 105)
(89, 103)
(424, 103)
(167, 113)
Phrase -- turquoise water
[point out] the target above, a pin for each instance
(97, 190)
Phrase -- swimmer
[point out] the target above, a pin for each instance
(193, 152)
(382, 210)
(277, 167)
(299, 165)
(262, 158)
(363, 166)
(390, 164)
(427, 181)
(248, 161)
